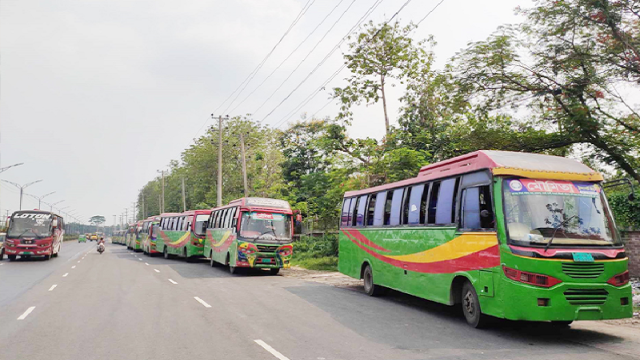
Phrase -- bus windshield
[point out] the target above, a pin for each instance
(570, 213)
(201, 219)
(265, 226)
(29, 225)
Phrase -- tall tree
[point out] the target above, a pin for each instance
(379, 54)
(551, 73)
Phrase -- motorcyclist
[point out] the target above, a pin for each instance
(101, 241)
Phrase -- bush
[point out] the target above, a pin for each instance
(316, 253)
(626, 213)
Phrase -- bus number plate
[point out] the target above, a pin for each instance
(582, 257)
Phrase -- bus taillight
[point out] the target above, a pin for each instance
(620, 279)
(530, 278)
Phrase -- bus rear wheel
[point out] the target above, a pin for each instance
(212, 262)
(471, 307)
(274, 271)
(165, 253)
(370, 288)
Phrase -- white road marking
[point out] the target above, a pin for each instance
(156, 270)
(1, 264)
(52, 287)
(78, 261)
(273, 351)
(140, 259)
(65, 275)
(73, 267)
(26, 313)
(202, 302)
(173, 282)
(146, 263)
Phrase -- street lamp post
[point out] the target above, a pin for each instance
(9, 167)
(21, 187)
(55, 203)
(39, 198)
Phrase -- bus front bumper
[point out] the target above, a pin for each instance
(566, 301)
(31, 250)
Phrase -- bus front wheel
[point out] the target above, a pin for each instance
(471, 307)
(370, 288)
(11, 257)
(274, 271)
(165, 253)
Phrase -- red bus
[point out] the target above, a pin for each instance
(34, 233)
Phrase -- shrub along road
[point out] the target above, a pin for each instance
(124, 305)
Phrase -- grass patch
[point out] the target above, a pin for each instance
(70, 237)
(316, 253)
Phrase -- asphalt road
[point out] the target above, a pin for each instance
(124, 305)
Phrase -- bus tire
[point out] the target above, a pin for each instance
(11, 257)
(471, 307)
(1, 254)
(274, 271)
(165, 253)
(370, 288)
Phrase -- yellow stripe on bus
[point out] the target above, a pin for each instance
(463, 245)
(182, 238)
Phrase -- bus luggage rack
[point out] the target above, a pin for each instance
(586, 296)
(267, 248)
(583, 271)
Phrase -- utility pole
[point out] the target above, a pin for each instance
(126, 216)
(143, 212)
(135, 213)
(184, 199)
(219, 161)
(162, 202)
(244, 165)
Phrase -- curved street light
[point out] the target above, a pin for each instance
(21, 187)
(9, 167)
(39, 198)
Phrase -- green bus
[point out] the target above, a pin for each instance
(181, 234)
(147, 238)
(251, 232)
(508, 235)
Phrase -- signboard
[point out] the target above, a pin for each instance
(552, 187)
(273, 203)
(267, 216)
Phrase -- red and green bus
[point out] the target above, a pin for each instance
(147, 238)
(509, 235)
(251, 233)
(134, 241)
(34, 233)
(181, 234)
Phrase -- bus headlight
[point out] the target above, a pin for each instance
(620, 279)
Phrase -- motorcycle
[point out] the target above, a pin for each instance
(101, 248)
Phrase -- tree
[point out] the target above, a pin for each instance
(550, 72)
(97, 220)
(379, 54)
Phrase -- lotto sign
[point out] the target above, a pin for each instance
(32, 216)
(532, 187)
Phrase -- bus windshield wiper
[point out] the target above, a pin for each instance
(561, 225)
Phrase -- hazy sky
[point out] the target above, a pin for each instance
(97, 95)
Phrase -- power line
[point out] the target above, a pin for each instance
(315, 92)
(336, 47)
(255, 71)
(305, 58)
(290, 54)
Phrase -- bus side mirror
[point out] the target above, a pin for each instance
(484, 213)
(54, 223)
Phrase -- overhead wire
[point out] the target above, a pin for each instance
(327, 56)
(255, 71)
(315, 92)
(291, 53)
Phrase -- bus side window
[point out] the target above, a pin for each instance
(446, 198)
(225, 219)
(362, 207)
(396, 207)
(378, 215)
(413, 207)
(344, 217)
(352, 210)
(370, 210)
(475, 201)
(405, 205)
(433, 200)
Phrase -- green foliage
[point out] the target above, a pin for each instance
(626, 212)
(97, 220)
(316, 253)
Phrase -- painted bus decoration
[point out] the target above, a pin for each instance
(508, 235)
(34, 233)
(250, 233)
(181, 234)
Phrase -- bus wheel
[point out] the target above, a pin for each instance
(165, 253)
(274, 271)
(232, 269)
(1, 254)
(370, 288)
(11, 257)
(471, 307)
(47, 257)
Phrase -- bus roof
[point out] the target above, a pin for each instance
(536, 166)
(260, 204)
(35, 211)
